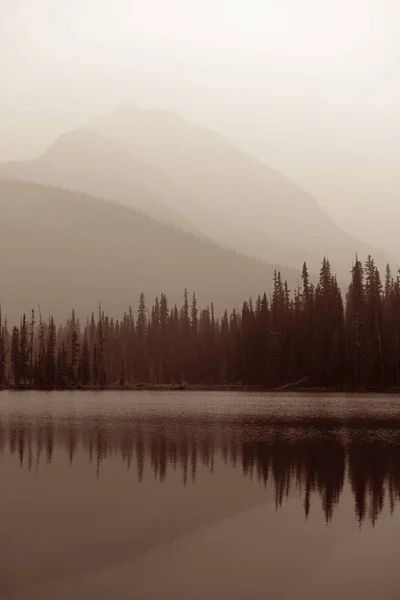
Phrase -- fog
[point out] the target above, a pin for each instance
(311, 88)
(199, 278)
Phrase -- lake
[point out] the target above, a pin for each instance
(193, 495)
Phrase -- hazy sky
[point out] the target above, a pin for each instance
(311, 86)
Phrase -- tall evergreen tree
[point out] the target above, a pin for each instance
(24, 350)
(51, 354)
(2, 351)
(63, 373)
(84, 370)
(31, 346)
(15, 356)
(141, 341)
(74, 347)
(355, 309)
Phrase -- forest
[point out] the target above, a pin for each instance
(315, 336)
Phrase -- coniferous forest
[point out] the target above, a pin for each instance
(314, 336)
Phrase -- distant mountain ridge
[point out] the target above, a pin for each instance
(197, 180)
(61, 249)
(83, 161)
(231, 195)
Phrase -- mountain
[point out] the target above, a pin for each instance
(230, 195)
(198, 181)
(60, 249)
(84, 161)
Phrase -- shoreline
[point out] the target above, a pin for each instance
(203, 388)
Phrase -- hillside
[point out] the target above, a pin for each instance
(61, 249)
(230, 195)
(84, 161)
(198, 181)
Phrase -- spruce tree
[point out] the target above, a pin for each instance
(31, 346)
(62, 379)
(375, 368)
(2, 352)
(142, 371)
(15, 356)
(95, 366)
(24, 350)
(355, 331)
(74, 347)
(84, 369)
(164, 341)
(40, 363)
(51, 354)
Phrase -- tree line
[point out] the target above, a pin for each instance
(312, 335)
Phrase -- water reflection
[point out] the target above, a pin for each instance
(295, 459)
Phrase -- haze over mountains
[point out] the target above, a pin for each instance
(83, 161)
(198, 181)
(61, 249)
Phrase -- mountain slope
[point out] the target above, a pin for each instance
(61, 249)
(84, 161)
(230, 195)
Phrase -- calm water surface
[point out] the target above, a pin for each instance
(120, 495)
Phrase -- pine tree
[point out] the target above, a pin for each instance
(276, 349)
(122, 377)
(306, 284)
(153, 343)
(2, 352)
(95, 367)
(62, 370)
(375, 368)
(173, 336)
(164, 342)
(225, 350)
(328, 328)
(395, 328)
(355, 308)
(15, 357)
(142, 372)
(51, 354)
(23, 350)
(31, 345)
(74, 347)
(84, 369)
(100, 350)
(185, 336)
(262, 341)
(194, 319)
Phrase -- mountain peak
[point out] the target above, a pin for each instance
(132, 116)
(84, 146)
(127, 110)
(219, 183)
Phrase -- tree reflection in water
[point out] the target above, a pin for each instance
(313, 458)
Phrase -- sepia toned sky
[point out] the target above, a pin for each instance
(312, 86)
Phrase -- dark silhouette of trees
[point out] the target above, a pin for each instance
(308, 337)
